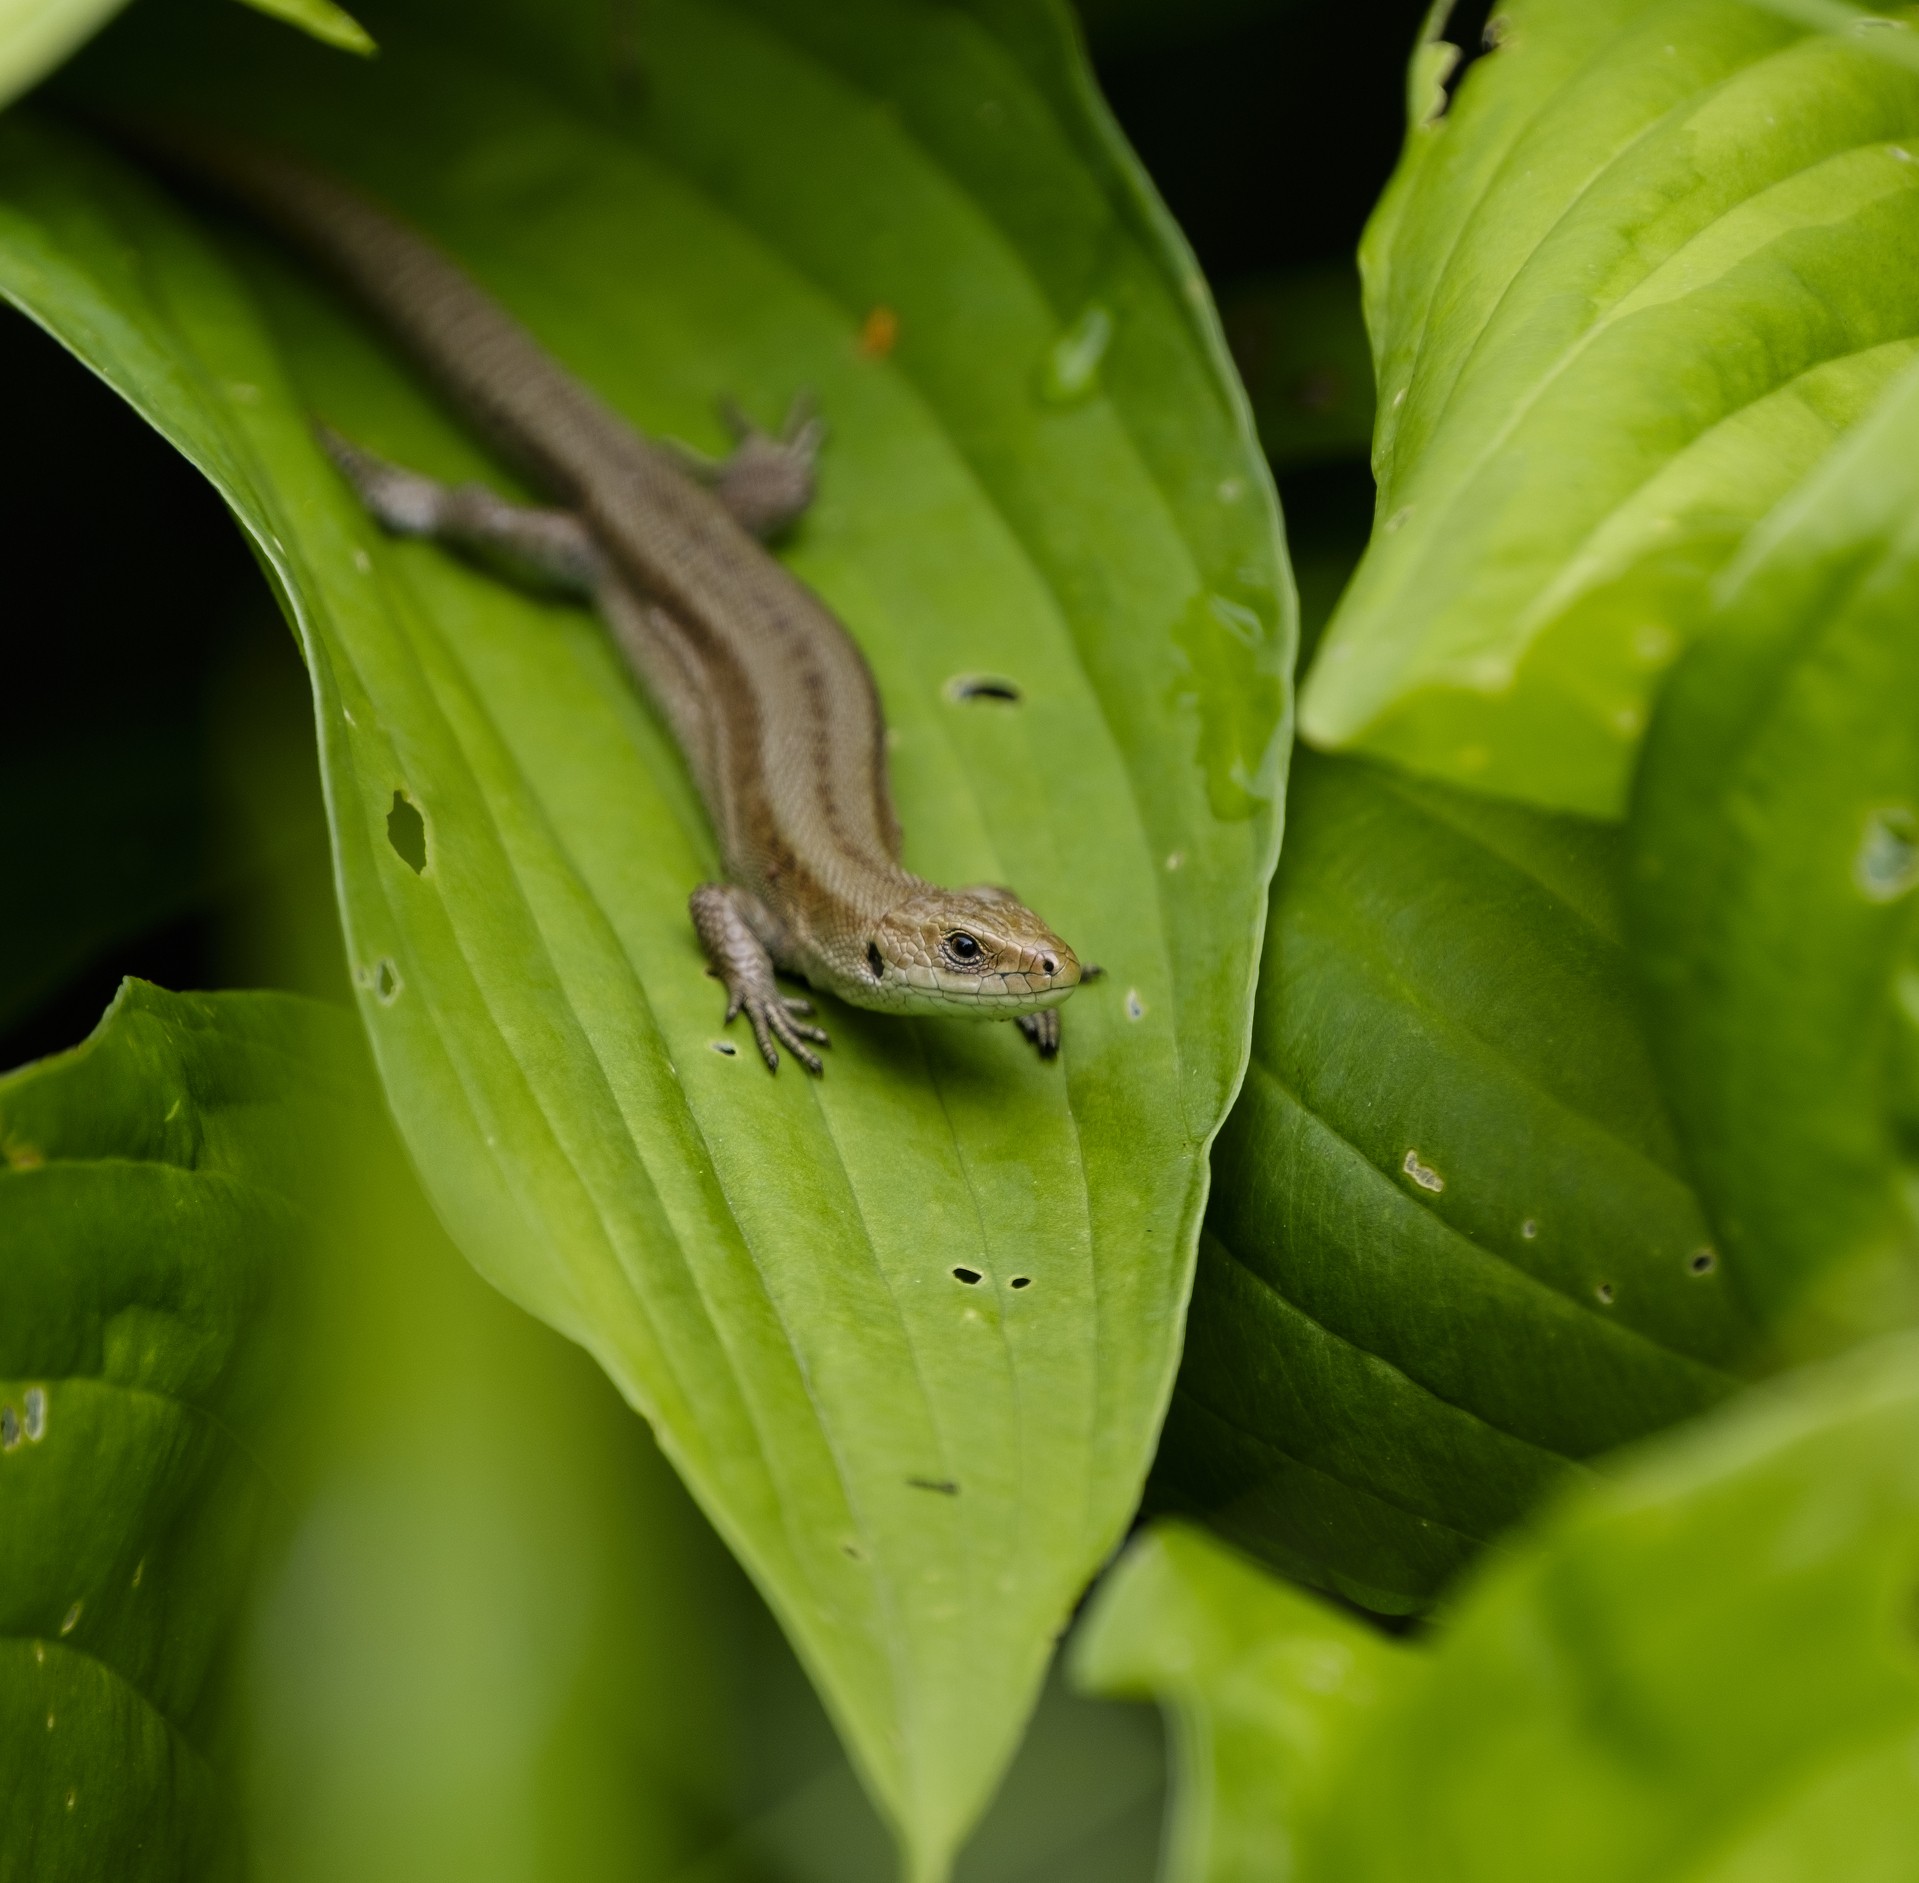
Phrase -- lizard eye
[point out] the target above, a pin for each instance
(961, 946)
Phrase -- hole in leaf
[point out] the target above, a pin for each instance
(725, 1048)
(1605, 1293)
(945, 1486)
(387, 982)
(1702, 1260)
(968, 1275)
(982, 686)
(35, 1421)
(9, 1428)
(1021, 1281)
(406, 832)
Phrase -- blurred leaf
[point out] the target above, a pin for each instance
(331, 25)
(1451, 1250)
(1652, 263)
(1262, 1687)
(149, 1220)
(1300, 345)
(1703, 1670)
(919, 1472)
(1776, 851)
(35, 35)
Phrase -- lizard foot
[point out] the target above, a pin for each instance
(768, 481)
(771, 1016)
(737, 956)
(1042, 1029)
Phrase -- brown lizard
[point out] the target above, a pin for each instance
(769, 700)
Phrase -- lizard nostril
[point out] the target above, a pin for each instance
(1048, 965)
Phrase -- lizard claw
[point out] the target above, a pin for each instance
(1042, 1029)
(771, 1021)
(738, 958)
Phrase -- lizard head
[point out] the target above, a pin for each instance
(977, 951)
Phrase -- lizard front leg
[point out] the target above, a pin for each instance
(734, 932)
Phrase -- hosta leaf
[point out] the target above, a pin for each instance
(150, 1217)
(1657, 257)
(919, 1468)
(1702, 1671)
(1451, 1250)
(1262, 1687)
(1776, 847)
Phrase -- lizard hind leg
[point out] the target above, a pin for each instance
(767, 481)
(729, 923)
(537, 548)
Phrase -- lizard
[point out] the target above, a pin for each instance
(768, 698)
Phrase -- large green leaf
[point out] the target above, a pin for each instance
(151, 1219)
(1776, 847)
(1451, 1249)
(1657, 256)
(908, 1331)
(1704, 1671)
(504, 1645)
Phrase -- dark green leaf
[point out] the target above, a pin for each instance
(150, 1217)
(1655, 259)
(1776, 849)
(749, 1258)
(1450, 1251)
(1705, 1671)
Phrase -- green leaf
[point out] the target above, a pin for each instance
(151, 1214)
(1703, 1670)
(920, 1472)
(1300, 346)
(504, 1644)
(35, 35)
(1776, 850)
(1451, 1251)
(330, 24)
(1656, 259)
(1262, 1687)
